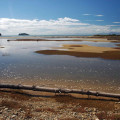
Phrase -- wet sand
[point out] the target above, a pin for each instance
(85, 51)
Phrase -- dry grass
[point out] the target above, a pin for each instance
(11, 104)
(46, 110)
(79, 109)
(100, 104)
(65, 106)
(19, 95)
(103, 115)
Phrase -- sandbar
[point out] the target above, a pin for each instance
(84, 51)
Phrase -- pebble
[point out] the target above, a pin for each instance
(56, 114)
(1, 112)
(6, 109)
(13, 116)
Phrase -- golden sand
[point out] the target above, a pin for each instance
(85, 51)
(87, 48)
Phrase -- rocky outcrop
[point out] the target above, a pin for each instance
(0, 34)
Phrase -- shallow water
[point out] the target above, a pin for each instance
(20, 64)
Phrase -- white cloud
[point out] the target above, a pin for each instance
(95, 20)
(35, 22)
(116, 22)
(99, 15)
(61, 26)
(99, 20)
(86, 14)
(113, 25)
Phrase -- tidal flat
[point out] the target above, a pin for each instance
(88, 63)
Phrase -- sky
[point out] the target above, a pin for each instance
(59, 17)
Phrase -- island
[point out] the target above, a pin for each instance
(23, 34)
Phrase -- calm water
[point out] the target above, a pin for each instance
(20, 64)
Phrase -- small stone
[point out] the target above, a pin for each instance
(13, 116)
(6, 109)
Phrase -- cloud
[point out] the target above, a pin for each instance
(113, 25)
(86, 14)
(60, 26)
(116, 22)
(99, 20)
(95, 20)
(35, 22)
(99, 15)
(93, 15)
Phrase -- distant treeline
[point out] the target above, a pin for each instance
(109, 36)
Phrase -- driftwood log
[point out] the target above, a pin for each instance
(57, 90)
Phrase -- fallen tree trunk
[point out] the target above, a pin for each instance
(57, 90)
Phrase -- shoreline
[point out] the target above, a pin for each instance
(69, 84)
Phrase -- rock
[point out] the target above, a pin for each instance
(6, 109)
(13, 116)
(20, 109)
(1, 112)
(16, 113)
